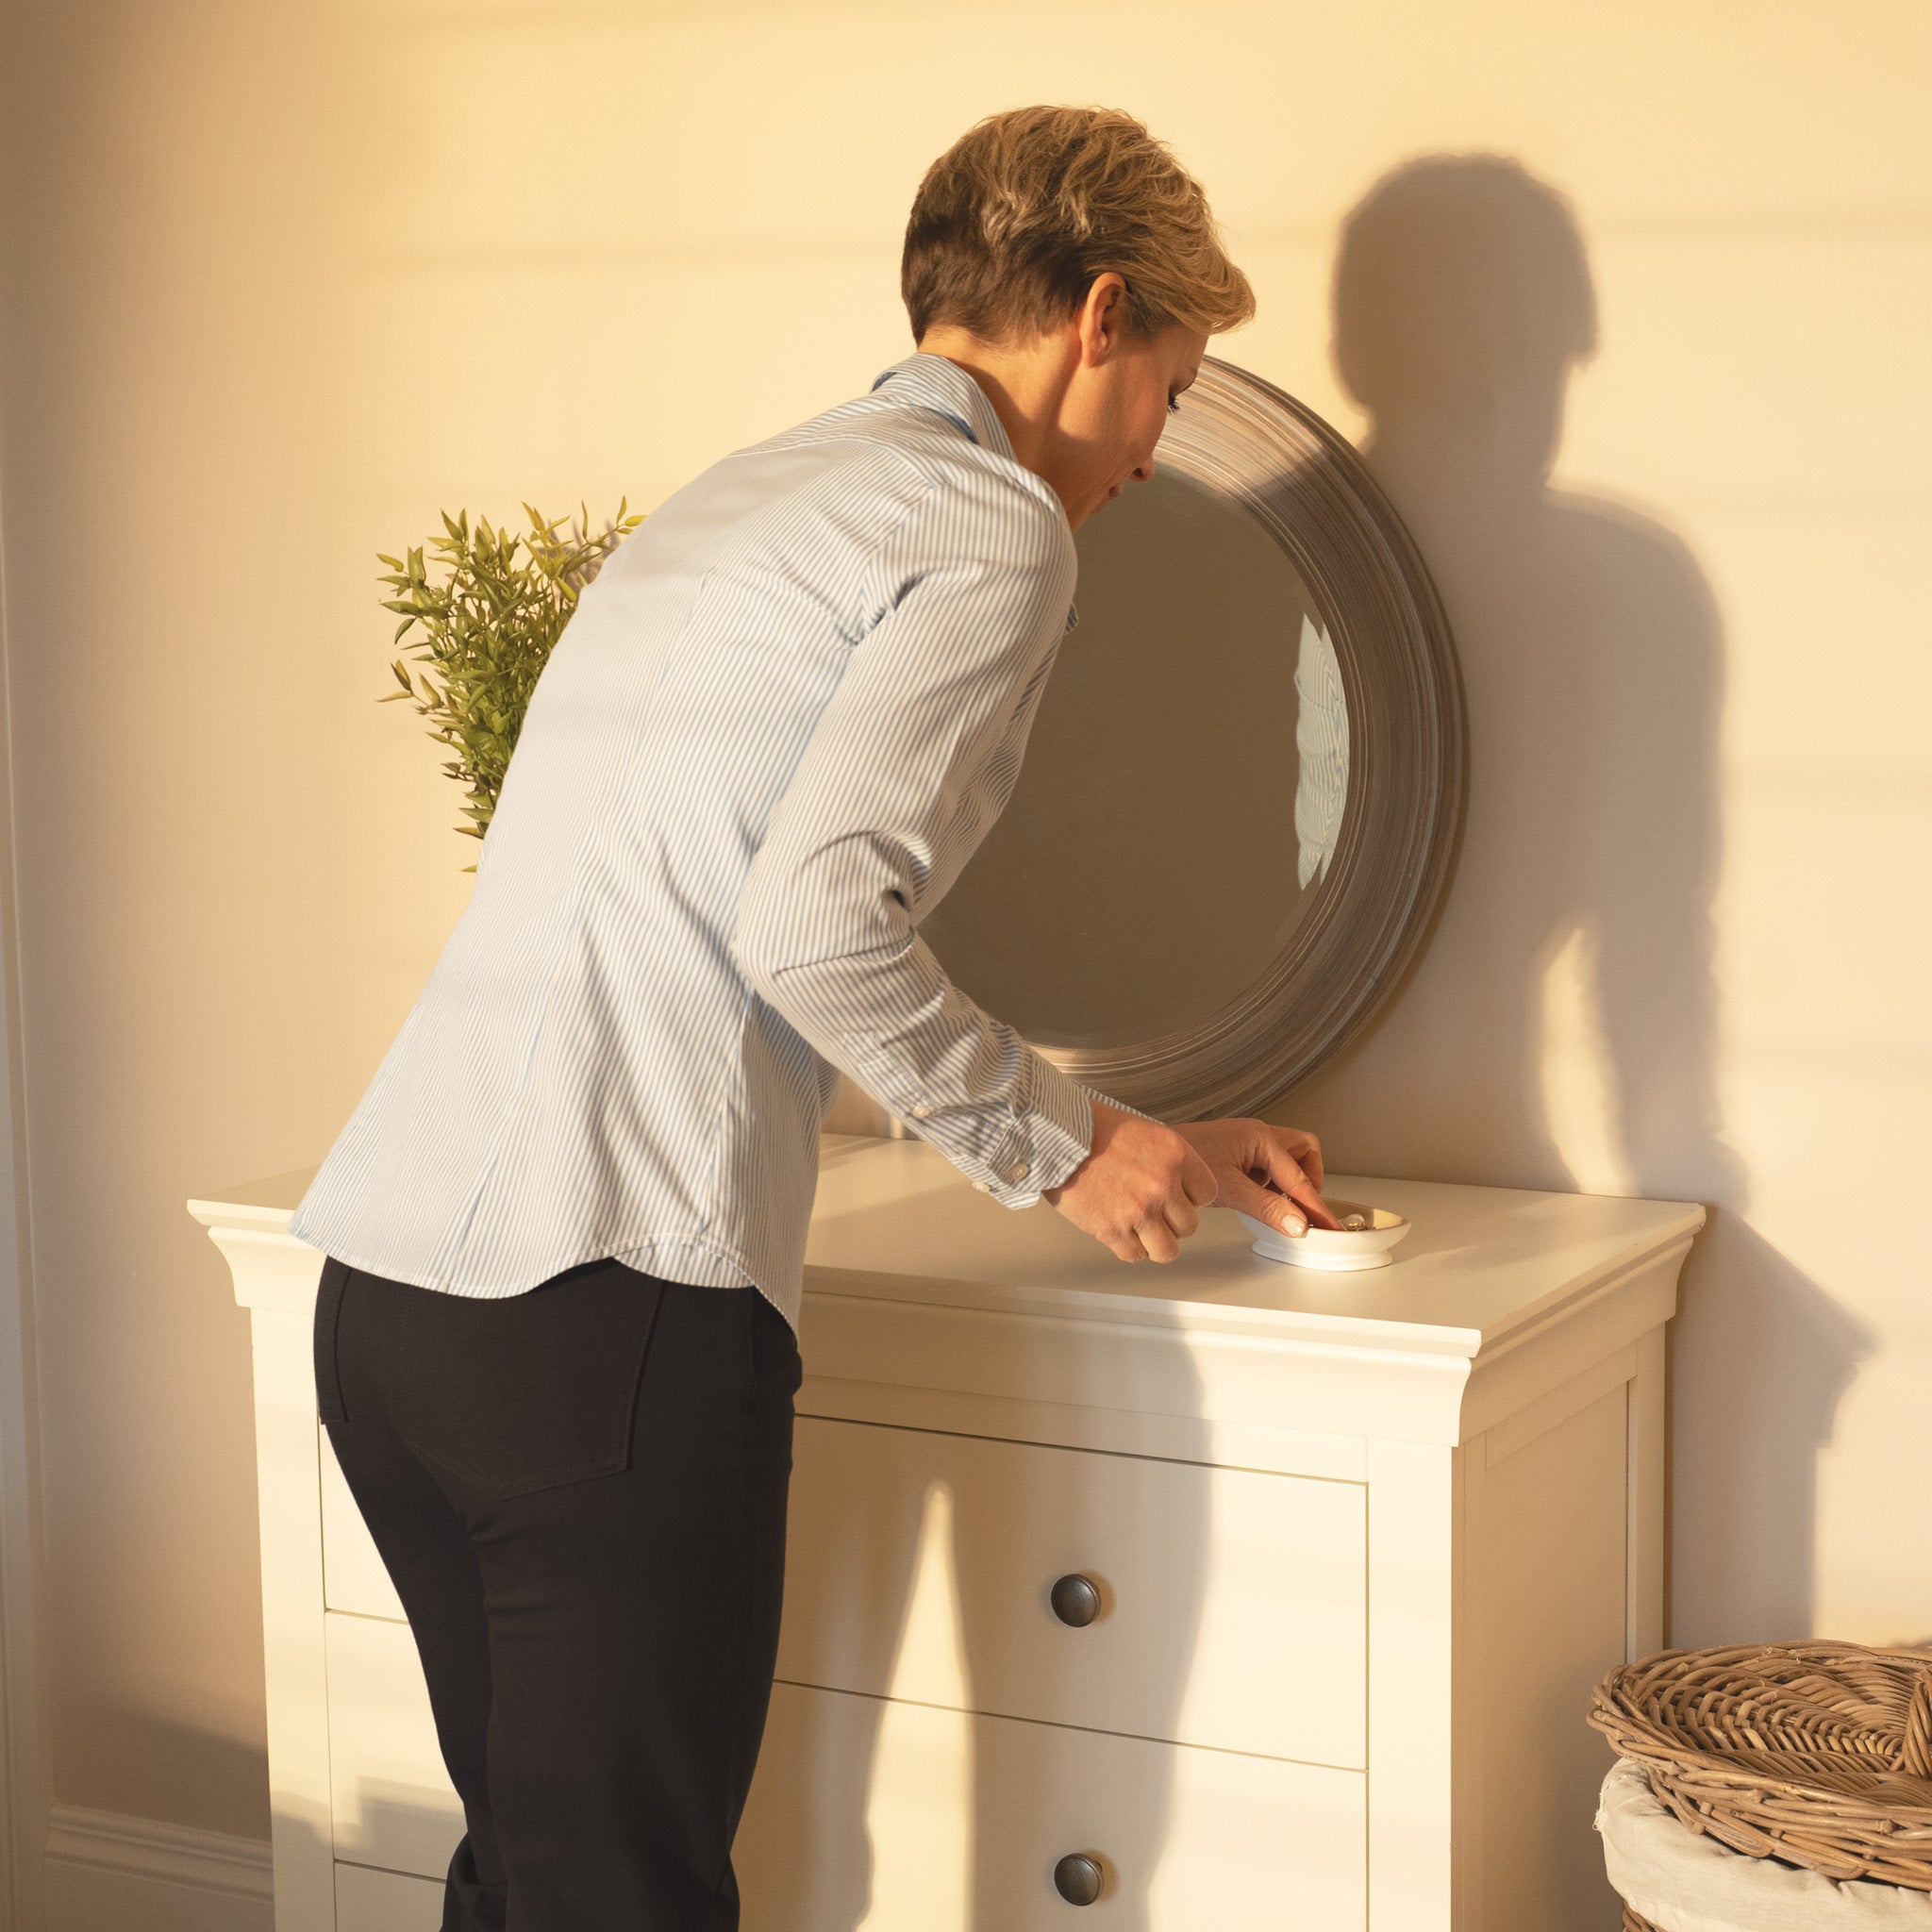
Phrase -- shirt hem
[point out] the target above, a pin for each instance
(651, 1246)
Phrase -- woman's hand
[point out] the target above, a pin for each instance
(1273, 1173)
(1138, 1190)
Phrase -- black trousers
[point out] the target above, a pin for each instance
(579, 1493)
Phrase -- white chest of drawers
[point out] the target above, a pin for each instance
(1358, 1547)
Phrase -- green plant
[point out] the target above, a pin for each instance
(486, 623)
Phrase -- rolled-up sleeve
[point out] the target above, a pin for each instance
(906, 770)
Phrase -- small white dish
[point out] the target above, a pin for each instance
(1334, 1252)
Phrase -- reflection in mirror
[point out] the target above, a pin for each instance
(1183, 788)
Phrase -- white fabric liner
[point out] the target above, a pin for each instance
(1685, 1881)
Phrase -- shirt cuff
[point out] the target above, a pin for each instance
(1052, 1133)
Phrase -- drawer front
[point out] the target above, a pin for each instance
(885, 1816)
(392, 1801)
(888, 1815)
(1233, 1601)
(353, 1577)
(370, 1901)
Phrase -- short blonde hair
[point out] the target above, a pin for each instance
(1013, 223)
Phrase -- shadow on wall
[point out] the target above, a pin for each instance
(1561, 1029)
(1765, 1356)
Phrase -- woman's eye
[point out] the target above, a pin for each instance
(1173, 405)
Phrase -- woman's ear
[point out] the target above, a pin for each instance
(1102, 318)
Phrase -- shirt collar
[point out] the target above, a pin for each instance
(935, 383)
(932, 382)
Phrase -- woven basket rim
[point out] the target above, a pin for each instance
(1906, 1819)
(1791, 1814)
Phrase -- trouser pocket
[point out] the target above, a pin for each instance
(510, 1395)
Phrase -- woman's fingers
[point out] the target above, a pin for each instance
(1198, 1180)
(1141, 1188)
(1286, 1174)
(1308, 1153)
(1194, 1188)
(1180, 1212)
(1158, 1239)
(1279, 1210)
(1300, 1148)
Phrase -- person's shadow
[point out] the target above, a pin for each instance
(1574, 951)
(1593, 662)
(1592, 658)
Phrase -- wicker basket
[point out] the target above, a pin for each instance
(1817, 1754)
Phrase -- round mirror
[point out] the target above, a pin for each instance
(1243, 785)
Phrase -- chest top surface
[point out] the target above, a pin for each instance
(893, 1222)
(1480, 1266)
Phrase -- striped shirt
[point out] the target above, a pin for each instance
(778, 725)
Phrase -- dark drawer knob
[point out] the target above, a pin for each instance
(1078, 1877)
(1076, 1601)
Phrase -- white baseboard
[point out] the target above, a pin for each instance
(110, 1873)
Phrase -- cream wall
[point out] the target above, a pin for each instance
(280, 281)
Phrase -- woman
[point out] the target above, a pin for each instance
(566, 1223)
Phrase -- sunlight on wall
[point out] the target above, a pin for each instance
(1579, 1077)
(289, 281)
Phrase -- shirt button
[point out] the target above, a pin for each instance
(1018, 1172)
(981, 1188)
(921, 1113)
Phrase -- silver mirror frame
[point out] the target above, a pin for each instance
(1309, 491)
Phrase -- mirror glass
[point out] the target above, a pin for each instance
(1240, 801)
(1183, 791)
